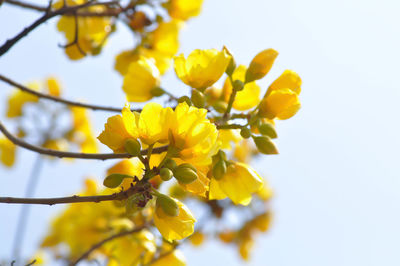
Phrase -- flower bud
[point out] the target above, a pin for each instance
(232, 64)
(219, 169)
(245, 133)
(198, 99)
(114, 180)
(185, 173)
(265, 145)
(238, 85)
(170, 164)
(185, 99)
(166, 174)
(220, 106)
(157, 91)
(168, 205)
(260, 65)
(132, 146)
(268, 129)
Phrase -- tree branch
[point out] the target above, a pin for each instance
(96, 246)
(61, 100)
(73, 199)
(64, 154)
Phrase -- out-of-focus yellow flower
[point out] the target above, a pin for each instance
(175, 227)
(162, 60)
(243, 151)
(39, 258)
(154, 123)
(261, 64)
(82, 129)
(262, 222)
(135, 249)
(92, 30)
(288, 80)
(18, 99)
(164, 39)
(247, 98)
(184, 9)
(265, 193)
(124, 59)
(56, 144)
(7, 152)
(141, 78)
(281, 104)
(53, 86)
(175, 258)
(245, 247)
(229, 136)
(118, 129)
(132, 167)
(197, 238)
(202, 68)
(239, 183)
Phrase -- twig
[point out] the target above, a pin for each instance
(229, 126)
(46, 16)
(64, 154)
(96, 246)
(61, 100)
(72, 199)
(76, 37)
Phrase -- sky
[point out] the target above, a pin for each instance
(336, 180)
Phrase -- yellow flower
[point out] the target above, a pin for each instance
(132, 167)
(202, 68)
(243, 151)
(229, 136)
(197, 238)
(141, 78)
(184, 9)
(245, 246)
(175, 258)
(124, 59)
(288, 80)
(92, 30)
(118, 129)
(7, 152)
(247, 98)
(18, 99)
(135, 249)
(82, 130)
(261, 64)
(174, 227)
(281, 104)
(164, 39)
(239, 183)
(53, 86)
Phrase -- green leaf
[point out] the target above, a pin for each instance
(114, 180)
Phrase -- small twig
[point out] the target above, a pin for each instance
(31, 263)
(229, 126)
(61, 100)
(72, 199)
(76, 37)
(64, 154)
(96, 246)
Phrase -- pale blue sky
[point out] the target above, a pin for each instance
(336, 180)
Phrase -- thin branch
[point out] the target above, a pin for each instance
(229, 126)
(98, 245)
(73, 199)
(76, 37)
(61, 100)
(46, 16)
(64, 154)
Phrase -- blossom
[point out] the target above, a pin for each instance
(174, 227)
(261, 64)
(165, 37)
(175, 258)
(184, 9)
(118, 129)
(82, 130)
(238, 183)
(7, 152)
(281, 104)
(18, 99)
(141, 78)
(53, 86)
(247, 98)
(202, 68)
(287, 80)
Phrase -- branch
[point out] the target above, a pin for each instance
(229, 126)
(96, 246)
(60, 100)
(47, 15)
(64, 154)
(73, 199)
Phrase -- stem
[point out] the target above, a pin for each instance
(25, 209)
(229, 126)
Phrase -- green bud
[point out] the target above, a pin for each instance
(238, 85)
(185, 99)
(219, 169)
(220, 106)
(265, 145)
(157, 91)
(170, 164)
(268, 129)
(198, 99)
(254, 120)
(245, 133)
(96, 50)
(132, 146)
(114, 180)
(168, 205)
(232, 64)
(166, 174)
(184, 174)
(188, 165)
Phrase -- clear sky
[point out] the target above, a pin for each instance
(336, 180)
